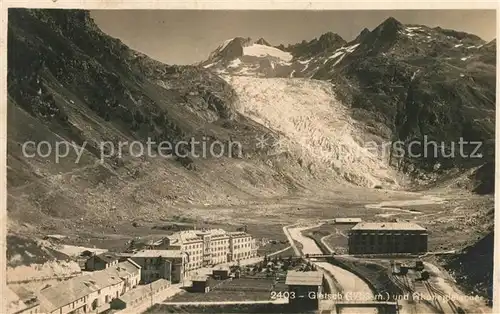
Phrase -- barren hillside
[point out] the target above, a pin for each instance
(68, 81)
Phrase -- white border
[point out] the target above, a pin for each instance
(224, 5)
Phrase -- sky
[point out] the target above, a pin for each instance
(186, 37)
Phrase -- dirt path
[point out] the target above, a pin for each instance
(353, 287)
(396, 205)
(441, 288)
(280, 251)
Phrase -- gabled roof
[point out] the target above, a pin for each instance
(158, 253)
(143, 290)
(222, 268)
(304, 278)
(238, 234)
(16, 299)
(76, 288)
(107, 257)
(200, 278)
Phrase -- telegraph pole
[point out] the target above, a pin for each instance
(151, 288)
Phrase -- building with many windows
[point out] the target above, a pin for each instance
(242, 246)
(161, 264)
(387, 238)
(190, 243)
(212, 246)
(91, 293)
(216, 244)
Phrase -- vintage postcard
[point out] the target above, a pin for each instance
(295, 160)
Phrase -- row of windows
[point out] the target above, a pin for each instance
(241, 255)
(242, 246)
(219, 254)
(219, 242)
(194, 246)
(385, 240)
(192, 265)
(239, 240)
(200, 245)
(194, 252)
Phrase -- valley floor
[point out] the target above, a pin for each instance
(447, 215)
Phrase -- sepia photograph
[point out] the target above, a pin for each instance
(250, 161)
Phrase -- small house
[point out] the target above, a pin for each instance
(221, 274)
(137, 296)
(303, 285)
(200, 284)
(101, 261)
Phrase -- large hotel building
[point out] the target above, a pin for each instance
(209, 247)
(387, 238)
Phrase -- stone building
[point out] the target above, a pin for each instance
(387, 238)
(213, 246)
(101, 261)
(242, 246)
(157, 264)
(91, 293)
(304, 287)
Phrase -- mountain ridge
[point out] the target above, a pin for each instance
(397, 63)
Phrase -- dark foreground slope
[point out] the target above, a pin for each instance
(473, 269)
(68, 81)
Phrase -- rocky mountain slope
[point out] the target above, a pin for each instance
(403, 84)
(397, 85)
(243, 56)
(68, 81)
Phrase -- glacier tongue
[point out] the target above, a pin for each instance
(314, 125)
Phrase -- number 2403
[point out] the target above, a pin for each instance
(282, 295)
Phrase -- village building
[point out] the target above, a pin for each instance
(304, 287)
(101, 261)
(216, 246)
(138, 295)
(348, 221)
(242, 246)
(21, 301)
(210, 247)
(90, 293)
(190, 243)
(200, 284)
(161, 264)
(221, 273)
(387, 238)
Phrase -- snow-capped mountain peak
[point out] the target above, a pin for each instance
(243, 56)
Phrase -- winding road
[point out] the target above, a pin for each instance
(344, 282)
(353, 288)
